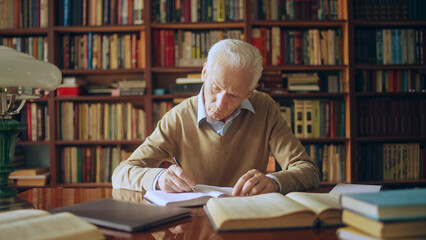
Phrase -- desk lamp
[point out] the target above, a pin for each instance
(22, 78)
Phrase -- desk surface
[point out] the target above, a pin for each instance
(196, 227)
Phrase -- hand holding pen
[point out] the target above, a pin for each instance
(176, 179)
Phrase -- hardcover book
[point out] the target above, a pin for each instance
(405, 204)
(274, 211)
(384, 229)
(26, 224)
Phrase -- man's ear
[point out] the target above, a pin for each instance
(204, 73)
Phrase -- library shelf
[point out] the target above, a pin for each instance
(98, 142)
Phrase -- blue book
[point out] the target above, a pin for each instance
(398, 46)
(391, 205)
(89, 50)
(66, 12)
(379, 46)
(394, 44)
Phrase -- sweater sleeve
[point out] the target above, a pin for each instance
(139, 171)
(298, 172)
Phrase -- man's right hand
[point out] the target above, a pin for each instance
(175, 179)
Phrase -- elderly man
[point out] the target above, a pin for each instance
(223, 136)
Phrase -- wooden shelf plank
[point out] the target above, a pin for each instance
(24, 31)
(102, 98)
(73, 72)
(198, 25)
(99, 142)
(100, 29)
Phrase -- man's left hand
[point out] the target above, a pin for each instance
(254, 183)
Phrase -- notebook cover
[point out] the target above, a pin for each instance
(124, 215)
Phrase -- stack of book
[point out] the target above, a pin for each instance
(30, 176)
(190, 84)
(70, 87)
(302, 82)
(132, 87)
(387, 214)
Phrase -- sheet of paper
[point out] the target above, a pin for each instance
(213, 190)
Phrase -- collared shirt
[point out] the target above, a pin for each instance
(218, 126)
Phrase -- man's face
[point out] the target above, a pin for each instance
(224, 90)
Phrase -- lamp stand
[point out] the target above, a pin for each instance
(9, 130)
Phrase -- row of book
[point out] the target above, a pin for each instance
(187, 11)
(100, 121)
(159, 109)
(101, 51)
(23, 14)
(330, 159)
(391, 117)
(297, 9)
(90, 164)
(35, 116)
(398, 161)
(390, 81)
(390, 46)
(280, 46)
(389, 9)
(315, 118)
(99, 12)
(186, 48)
(281, 82)
(35, 46)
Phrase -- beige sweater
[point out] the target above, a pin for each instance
(220, 160)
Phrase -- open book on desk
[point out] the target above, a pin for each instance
(201, 194)
(274, 210)
(40, 224)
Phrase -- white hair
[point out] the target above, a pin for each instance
(238, 55)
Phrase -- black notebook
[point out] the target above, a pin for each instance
(124, 215)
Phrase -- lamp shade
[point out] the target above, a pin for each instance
(20, 70)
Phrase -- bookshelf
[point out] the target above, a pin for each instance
(307, 23)
(388, 92)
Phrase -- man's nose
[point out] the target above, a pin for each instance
(220, 100)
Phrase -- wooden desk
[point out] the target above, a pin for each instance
(196, 227)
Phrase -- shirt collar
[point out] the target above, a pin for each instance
(246, 104)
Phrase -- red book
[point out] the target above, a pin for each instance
(264, 51)
(130, 11)
(84, 164)
(392, 81)
(333, 119)
(68, 91)
(188, 11)
(113, 13)
(89, 165)
(29, 128)
(37, 13)
(134, 51)
(16, 11)
(172, 48)
(119, 12)
(298, 47)
(255, 39)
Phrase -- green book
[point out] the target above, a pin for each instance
(391, 205)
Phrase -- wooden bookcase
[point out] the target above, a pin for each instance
(395, 114)
(161, 77)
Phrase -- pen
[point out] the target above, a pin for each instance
(178, 164)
